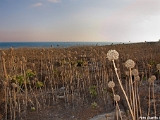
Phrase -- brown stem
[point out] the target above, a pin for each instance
(133, 117)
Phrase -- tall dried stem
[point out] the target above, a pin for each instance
(133, 117)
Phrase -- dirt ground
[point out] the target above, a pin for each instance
(59, 111)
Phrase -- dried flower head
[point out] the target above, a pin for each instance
(112, 55)
(14, 85)
(153, 77)
(111, 84)
(135, 72)
(130, 63)
(136, 78)
(158, 67)
(150, 80)
(117, 98)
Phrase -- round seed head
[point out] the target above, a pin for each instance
(135, 72)
(150, 80)
(136, 78)
(130, 63)
(111, 84)
(14, 85)
(117, 98)
(158, 67)
(153, 77)
(112, 55)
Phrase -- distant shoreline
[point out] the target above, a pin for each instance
(53, 44)
(5, 45)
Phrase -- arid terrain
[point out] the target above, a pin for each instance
(74, 83)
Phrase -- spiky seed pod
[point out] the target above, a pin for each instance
(135, 72)
(130, 63)
(136, 78)
(112, 55)
(14, 85)
(153, 77)
(150, 80)
(117, 98)
(158, 67)
(111, 84)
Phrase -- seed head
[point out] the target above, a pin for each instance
(153, 77)
(111, 84)
(158, 67)
(14, 85)
(130, 63)
(136, 78)
(135, 72)
(150, 80)
(117, 98)
(112, 55)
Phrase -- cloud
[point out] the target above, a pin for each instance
(133, 21)
(37, 5)
(54, 1)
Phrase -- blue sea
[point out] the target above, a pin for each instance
(51, 44)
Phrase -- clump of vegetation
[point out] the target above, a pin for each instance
(36, 78)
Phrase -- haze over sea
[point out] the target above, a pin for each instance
(49, 44)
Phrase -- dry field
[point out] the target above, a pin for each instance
(80, 82)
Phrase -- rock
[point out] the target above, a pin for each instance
(110, 116)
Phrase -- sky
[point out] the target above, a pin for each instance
(79, 20)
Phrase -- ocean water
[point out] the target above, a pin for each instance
(50, 44)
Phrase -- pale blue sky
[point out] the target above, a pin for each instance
(80, 20)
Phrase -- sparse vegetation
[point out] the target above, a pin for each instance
(36, 79)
